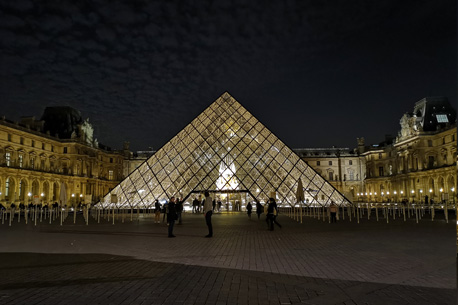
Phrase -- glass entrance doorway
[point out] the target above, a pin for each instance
(228, 200)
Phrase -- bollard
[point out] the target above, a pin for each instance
(404, 212)
(416, 213)
(357, 213)
(446, 212)
(376, 212)
(387, 213)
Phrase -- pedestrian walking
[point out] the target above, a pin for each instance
(208, 213)
(179, 209)
(272, 212)
(259, 209)
(171, 216)
(248, 209)
(157, 212)
(195, 202)
(165, 211)
(219, 205)
(333, 210)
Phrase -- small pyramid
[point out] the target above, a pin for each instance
(225, 149)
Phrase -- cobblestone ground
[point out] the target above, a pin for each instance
(244, 263)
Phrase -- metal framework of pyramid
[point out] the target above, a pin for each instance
(225, 149)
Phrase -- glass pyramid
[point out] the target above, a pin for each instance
(223, 150)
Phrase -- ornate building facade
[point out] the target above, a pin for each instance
(40, 159)
(420, 163)
(345, 169)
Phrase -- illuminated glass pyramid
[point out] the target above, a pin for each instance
(224, 150)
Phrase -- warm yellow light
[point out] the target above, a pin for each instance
(421, 191)
(394, 192)
(402, 192)
(441, 190)
(29, 194)
(73, 195)
(412, 191)
(42, 194)
(430, 190)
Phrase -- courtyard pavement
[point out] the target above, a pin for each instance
(311, 263)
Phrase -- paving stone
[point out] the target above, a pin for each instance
(311, 263)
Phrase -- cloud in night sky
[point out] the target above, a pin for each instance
(142, 70)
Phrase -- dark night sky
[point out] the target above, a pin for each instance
(317, 73)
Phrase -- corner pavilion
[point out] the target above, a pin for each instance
(228, 152)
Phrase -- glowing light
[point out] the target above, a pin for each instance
(42, 194)
(29, 194)
(227, 179)
(430, 190)
(441, 190)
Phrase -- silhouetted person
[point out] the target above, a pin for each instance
(171, 216)
(208, 213)
(248, 209)
(272, 212)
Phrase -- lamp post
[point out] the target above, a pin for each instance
(452, 189)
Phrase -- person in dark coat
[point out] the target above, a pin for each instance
(259, 209)
(272, 212)
(179, 209)
(157, 212)
(171, 216)
(249, 207)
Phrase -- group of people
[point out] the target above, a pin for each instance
(271, 212)
(158, 209)
(174, 209)
(198, 205)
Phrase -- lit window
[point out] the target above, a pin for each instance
(8, 159)
(21, 159)
(441, 118)
(7, 187)
(110, 175)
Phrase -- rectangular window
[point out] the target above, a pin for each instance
(330, 162)
(350, 162)
(380, 171)
(32, 163)
(22, 141)
(111, 160)
(21, 159)
(430, 143)
(52, 148)
(442, 118)
(430, 161)
(9, 137)
(43, 146)
(352, 175)
(42, 164)
(331, 176)
(318, 163)
(110, 175)
(380, 155)
(7, 187)
(33, 143)
(65, 150)
(8, 159)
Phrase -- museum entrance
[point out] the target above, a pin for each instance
(226, 200)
